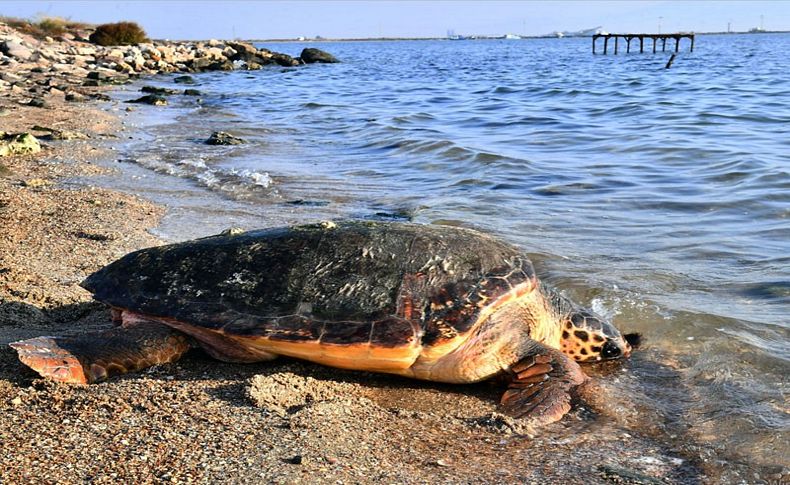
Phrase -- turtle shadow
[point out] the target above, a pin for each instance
(389, 391)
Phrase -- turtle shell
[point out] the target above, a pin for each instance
(380, 284)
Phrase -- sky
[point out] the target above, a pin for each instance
(261, 19)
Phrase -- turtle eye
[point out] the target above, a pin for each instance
(610, 350)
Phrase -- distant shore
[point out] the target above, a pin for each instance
(476, 37)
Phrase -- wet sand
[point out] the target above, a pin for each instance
(199, 420)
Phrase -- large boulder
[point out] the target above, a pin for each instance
(311, 55)
(284, 60)
(244, 52)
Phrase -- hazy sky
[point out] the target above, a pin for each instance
(289, 19)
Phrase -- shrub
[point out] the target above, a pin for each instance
(121, 33)
(52, 25)
(46, 27)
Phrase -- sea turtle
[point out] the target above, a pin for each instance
(430, 302)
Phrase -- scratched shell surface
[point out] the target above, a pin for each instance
(329, 282)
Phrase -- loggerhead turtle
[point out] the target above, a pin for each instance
(429, 302)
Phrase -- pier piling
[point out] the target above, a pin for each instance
(629, 37)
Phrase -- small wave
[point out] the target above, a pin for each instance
(239, 183)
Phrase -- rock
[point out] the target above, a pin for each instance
(18, 144)
(75, 97)
(296, 460)
(99, 75)
(65, 135)
(15, 48)
(222, 138)
(192, 92)
(4, 171)
(184, 80)
(244, 51)
(152, 99)
(215, 53)
(156, 90)
(9, 77)
(285, 60)
(311, 55)
(225, 65)
(38, 103)
(36, 183)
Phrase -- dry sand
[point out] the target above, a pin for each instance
(286, 422)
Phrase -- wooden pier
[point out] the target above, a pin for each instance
(629, 37)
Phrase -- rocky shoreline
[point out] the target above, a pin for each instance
(202, 421)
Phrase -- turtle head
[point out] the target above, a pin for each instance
(587, 337)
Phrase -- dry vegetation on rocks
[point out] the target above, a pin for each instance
(120, 33)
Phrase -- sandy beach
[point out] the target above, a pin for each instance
(200, 420)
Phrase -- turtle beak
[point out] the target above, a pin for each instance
(632, 341)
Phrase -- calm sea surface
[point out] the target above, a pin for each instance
(661, 198)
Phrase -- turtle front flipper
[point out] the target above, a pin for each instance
(541, 386)
(96, 356)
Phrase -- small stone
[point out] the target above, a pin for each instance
(152, 99)
(443, 462)
(98, 75)
(75, 97)
(37, 103)
(296, 460)
(158, 90)
(18, 144)
(192, 92)
(65, 135)
(232, 231)
(222, 138)
(17, 401)
(36, 183)
(184, 80)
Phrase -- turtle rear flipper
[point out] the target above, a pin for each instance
(541, 386)
(96, 356)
